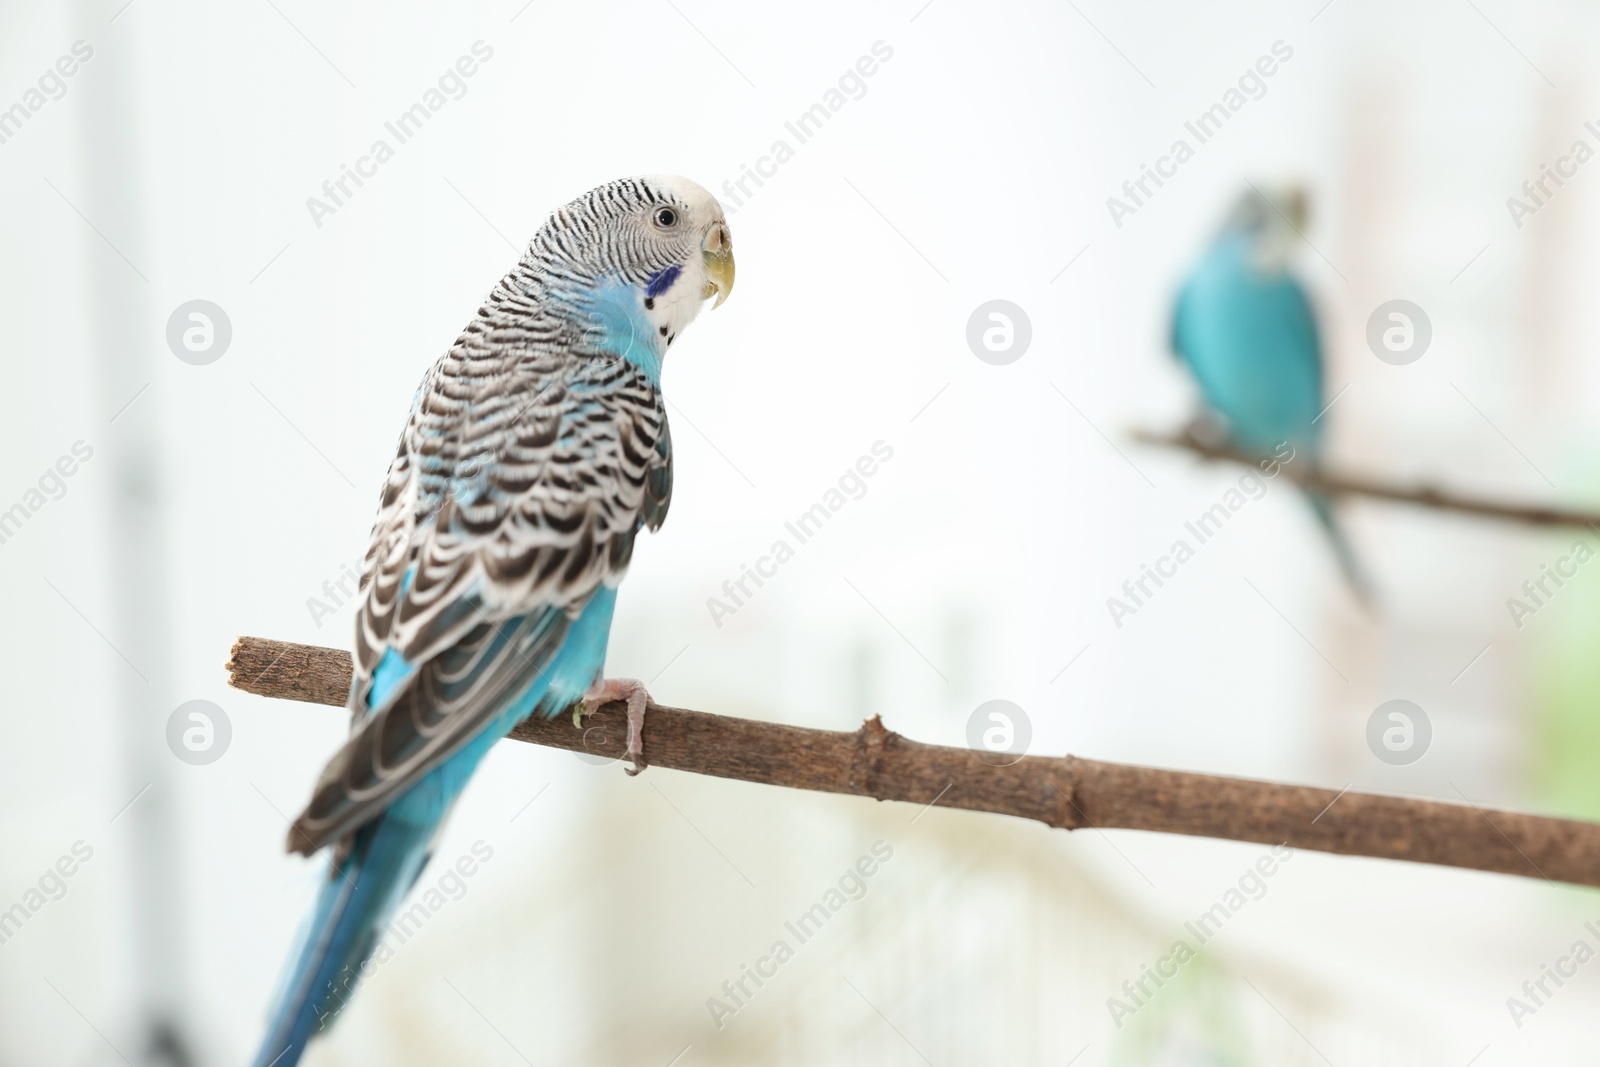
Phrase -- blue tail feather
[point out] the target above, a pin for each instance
(359, 894)
(355, 902)
(388, 854)
(1355, 575)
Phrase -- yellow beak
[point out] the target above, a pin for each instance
(718, 252)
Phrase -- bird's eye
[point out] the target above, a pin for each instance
(666, 218)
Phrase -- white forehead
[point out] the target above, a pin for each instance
(687, 193)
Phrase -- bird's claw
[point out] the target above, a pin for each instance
(634, 694)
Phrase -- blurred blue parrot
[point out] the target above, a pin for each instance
(1245, 328)
(536, 450)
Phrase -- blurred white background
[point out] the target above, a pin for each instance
(974, 164)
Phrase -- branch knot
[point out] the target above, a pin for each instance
(871, 740)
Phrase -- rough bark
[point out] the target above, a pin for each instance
(1065, 792)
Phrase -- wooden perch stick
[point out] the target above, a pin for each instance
(1355, 485)
(1064, 792)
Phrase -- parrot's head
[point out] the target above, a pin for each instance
(1273, 219)
(638, 257)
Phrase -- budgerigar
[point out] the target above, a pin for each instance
(536, 450)
(1245, 328)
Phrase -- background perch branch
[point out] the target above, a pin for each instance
(1355, 485)
(1065, 792)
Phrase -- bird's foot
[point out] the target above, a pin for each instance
(637, 697)
(1204, 430)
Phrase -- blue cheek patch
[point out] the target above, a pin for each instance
(662, 280)
(617, 324)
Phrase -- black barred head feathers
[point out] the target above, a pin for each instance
(658, 245)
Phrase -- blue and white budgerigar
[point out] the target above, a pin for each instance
(1245, 327)
(536, 450)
